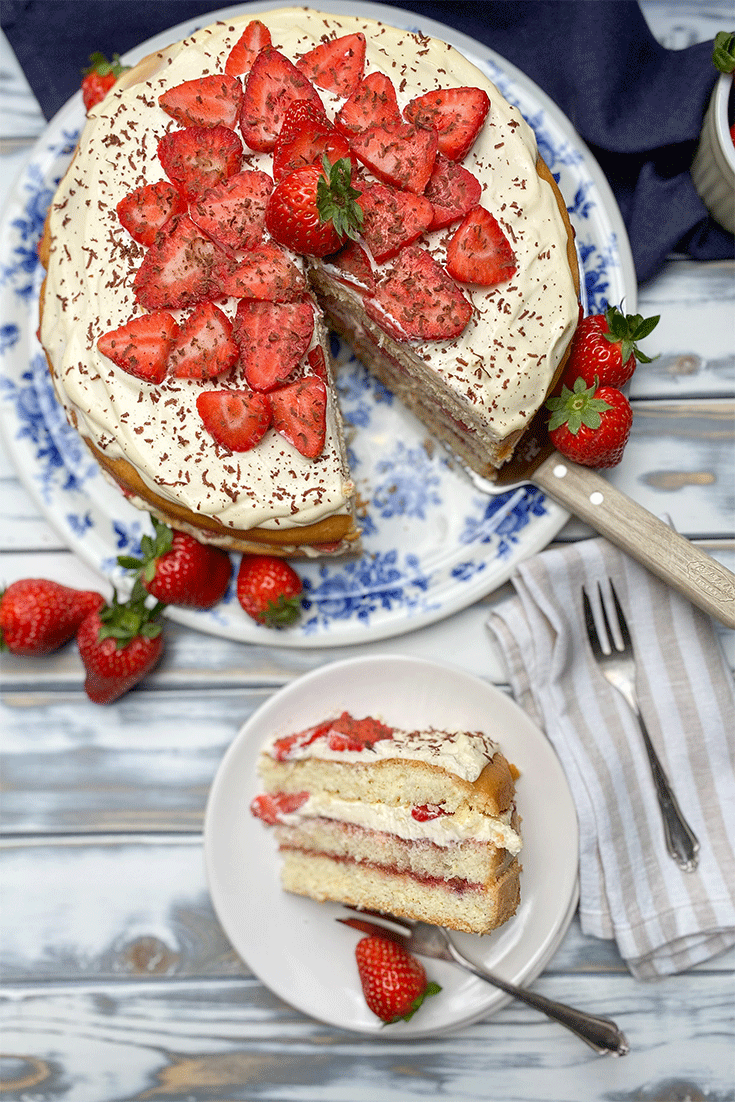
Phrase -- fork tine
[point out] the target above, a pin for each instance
(622, 622)
(374, 928)
(597, 642)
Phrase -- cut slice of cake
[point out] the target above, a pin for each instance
(420, 824)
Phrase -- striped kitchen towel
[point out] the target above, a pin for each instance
(663, 920)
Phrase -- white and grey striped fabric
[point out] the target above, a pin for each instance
(664, 920)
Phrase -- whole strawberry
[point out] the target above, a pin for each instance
(38, 616)
(178, 570)
(394, 982)
(604, 348)
(590, 425)
(313, 209)
(269, 590)
(119, 644)
(99, 77)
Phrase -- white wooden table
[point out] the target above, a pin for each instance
(118, 982)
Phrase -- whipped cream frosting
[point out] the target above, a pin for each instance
(465, 825)
(502, 363)
(464, 753)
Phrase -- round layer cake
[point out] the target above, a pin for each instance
(485, 383)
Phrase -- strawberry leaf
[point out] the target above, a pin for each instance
(723, 54)
(336, 198)
(576, 407)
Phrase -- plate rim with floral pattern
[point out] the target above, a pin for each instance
(423, 558)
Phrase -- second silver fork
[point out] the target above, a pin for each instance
(618, 668)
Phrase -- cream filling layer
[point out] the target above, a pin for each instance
(465, 825)
(501, 365)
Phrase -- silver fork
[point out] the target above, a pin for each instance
(425, 940)
(618, 668)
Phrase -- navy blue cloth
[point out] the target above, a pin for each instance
(638, 106)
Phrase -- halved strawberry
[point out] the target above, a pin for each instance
(317, 362)
(399, 154)
(452, 190)
(272, 338)
(336, 65)
(236, 419)
(206, 101)
(273, 83)
(480, 252)
(242, 55)
(392, 219)
(299, 115)
(353, 267)
(233, 212)
(300, 414)
(373, 102)
(416, 299)
(204, 346)
(456, 114)
(146, 210)
(265, 273)
(141, 346)
(181, 268)
(307, 148)
(199, 157)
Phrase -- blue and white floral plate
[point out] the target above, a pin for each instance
(433, 543)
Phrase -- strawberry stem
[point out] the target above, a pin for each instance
(626, 329)
(577, 407)
(336, 198)
(123, 621)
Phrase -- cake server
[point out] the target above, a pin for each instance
(601, 1034)
(646, 538)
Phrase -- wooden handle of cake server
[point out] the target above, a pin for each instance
(650, 541)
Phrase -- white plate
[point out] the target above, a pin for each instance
(433, 542)
(293, 944)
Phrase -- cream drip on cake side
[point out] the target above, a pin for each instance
(502, 363)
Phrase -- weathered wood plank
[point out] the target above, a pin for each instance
(233, 1040)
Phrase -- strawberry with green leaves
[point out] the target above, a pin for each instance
(314, 209)
(37, 615)
(393, 981)
(590, 425)
(269, 590)
(119, 644)
(99, 77)
(604, 348)
(178, 570)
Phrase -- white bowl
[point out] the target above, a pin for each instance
(713, 168)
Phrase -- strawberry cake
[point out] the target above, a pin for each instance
(420, 824)
(240, 192)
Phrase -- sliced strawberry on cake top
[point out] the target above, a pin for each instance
(146, 210)
(299, 115)
(300, 414)
(336, 65)
(242, 55)
(456, 114)
(392, 219)
(197, 158)
(236, 419)
(398, 153)
(373, 103)
(206, 101)
(272, 338)
(452, 190)
(353, 267)
(272, 84)
(233, 212)
(314, 141)
(203, 347)
(141, 346)
(181, 268)
(416, 299)
(264, 273)
(479, 251)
